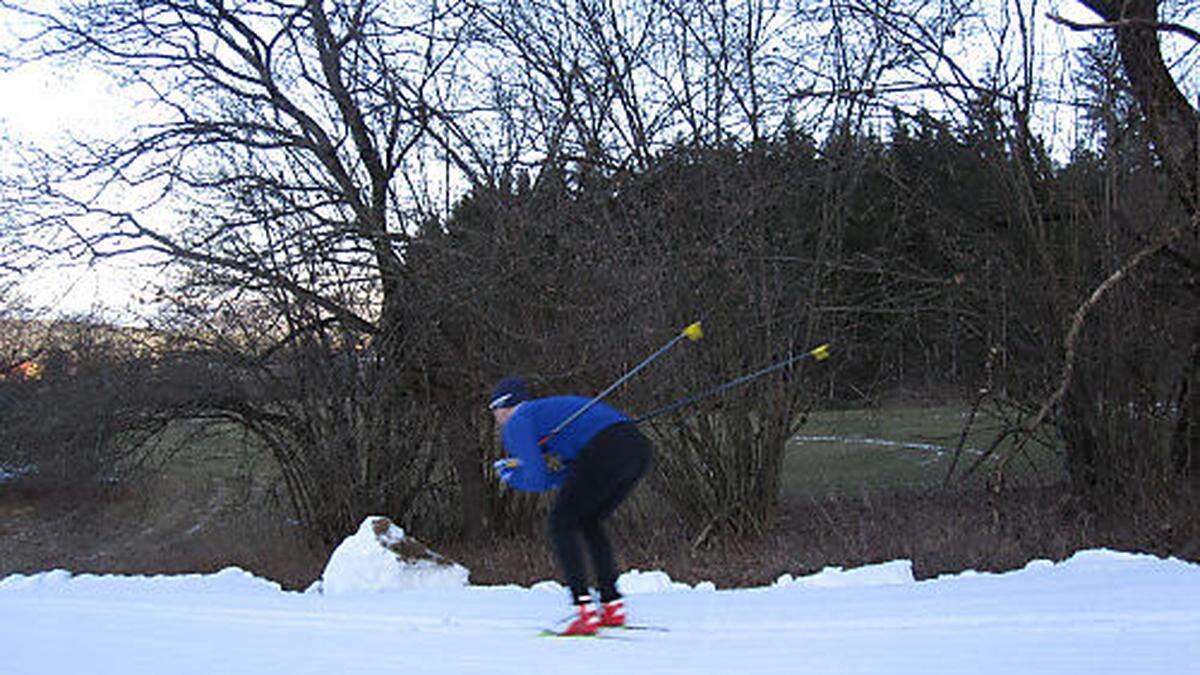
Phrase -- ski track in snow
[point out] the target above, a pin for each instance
(1099, 612)
(938, 450)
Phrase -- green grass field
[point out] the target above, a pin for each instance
(836, 453)
(850, 452)
(197, 452)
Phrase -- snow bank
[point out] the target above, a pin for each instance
(1084, 563)
(230, 579)
(634, 582)
(41, 580)
(637, 582)
(381, 557)
(1106, 558)
(897, 572)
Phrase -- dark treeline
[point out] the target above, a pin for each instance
(930, 259)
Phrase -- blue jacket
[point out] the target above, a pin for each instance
(541, 467)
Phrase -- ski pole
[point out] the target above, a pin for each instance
(693, 332)
(820, 353)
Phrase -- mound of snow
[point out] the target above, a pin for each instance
(548, 586)
(635, 582)
(40, 580)
(381, 557)
(895, 573)
(230, 579)
(1085, 565)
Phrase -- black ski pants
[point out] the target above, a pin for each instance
(599, 479)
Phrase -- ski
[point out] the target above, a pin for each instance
(608, 631)
(547, 633)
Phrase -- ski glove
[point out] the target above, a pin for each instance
(507, 468)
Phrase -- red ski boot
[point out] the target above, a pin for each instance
(588, 621)
(612, 615)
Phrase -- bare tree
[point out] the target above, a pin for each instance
(1174, 128)
(274, 163)
(1169, 116)
(1116, 303)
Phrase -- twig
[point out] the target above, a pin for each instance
(966, 429)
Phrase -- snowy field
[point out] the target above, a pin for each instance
(1098, 612)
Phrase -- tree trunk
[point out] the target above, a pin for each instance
(1185, 440)
(1174, 126)
(1081, 446)
(1171, 120)
(465, 456)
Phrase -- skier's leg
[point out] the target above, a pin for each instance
(603, 475)
(564, 536)
(579, 499)
(601, 553)
(564, 533)
(622, 458)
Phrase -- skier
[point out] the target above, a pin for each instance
(594, 461)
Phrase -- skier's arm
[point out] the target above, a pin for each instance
(521, 439)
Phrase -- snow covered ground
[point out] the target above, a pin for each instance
(1098, 612)
(937, 450)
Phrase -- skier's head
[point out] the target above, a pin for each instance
(507, 394)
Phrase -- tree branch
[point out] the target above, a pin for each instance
(1077, 320)
(1164, 27)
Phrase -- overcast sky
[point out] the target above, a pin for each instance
(41, 105)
